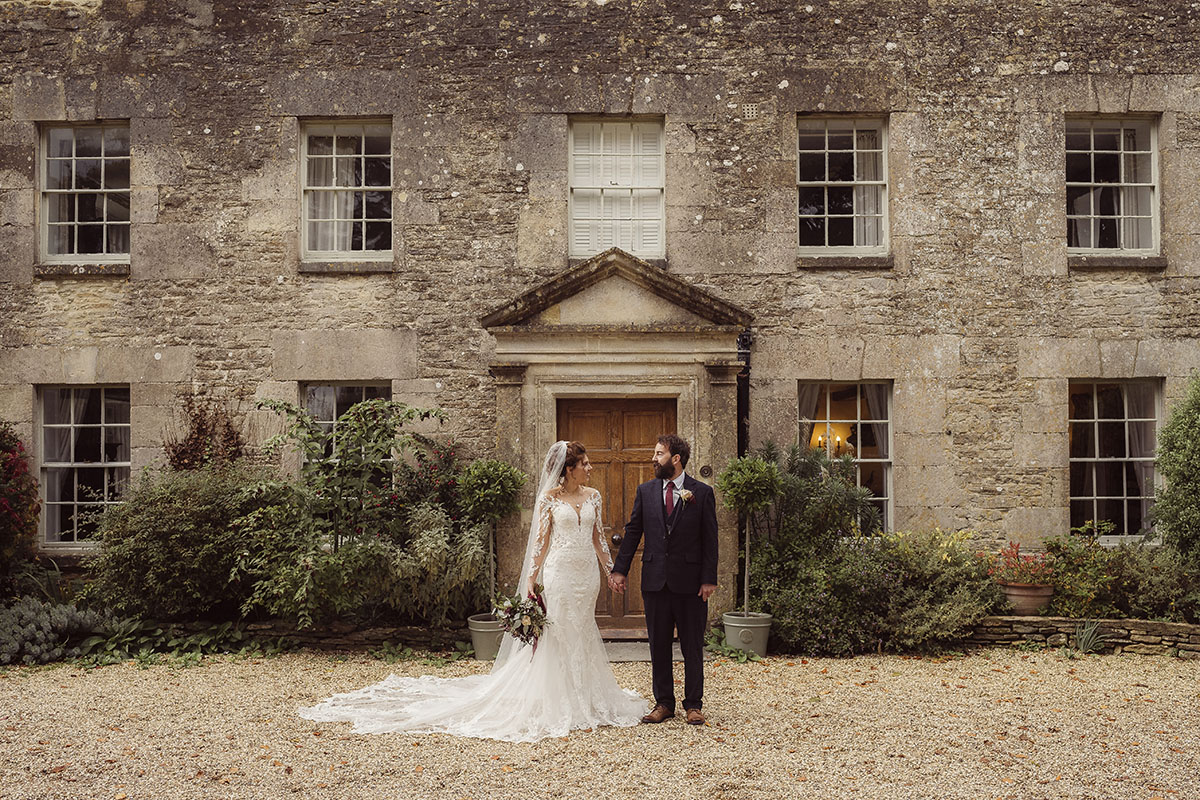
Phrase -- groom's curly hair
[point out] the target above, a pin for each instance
(677, 446)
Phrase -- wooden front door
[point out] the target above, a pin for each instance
(619, 435)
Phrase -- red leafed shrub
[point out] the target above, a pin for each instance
(19, 504)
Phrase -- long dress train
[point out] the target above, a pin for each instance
(565, 685)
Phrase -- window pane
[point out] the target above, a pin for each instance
(1137, 168)
(1110, 478)
(61, 240)
(116, 444)
(1079, 139)
(116, 142)
(1106, 232)
(812, 232)
(1079, 200)
(116, 406)
(1112, 439)
(812, 201)
(88, 407)
(1106, 137)
(378, 172)
(349, 172)
(118, 207)
(840, 140)
(812, 167)
(1106, 168)
(1082, 436)
(871, 476)
(59, 524)
(61, 208)
(1079, 167)
(320, 145)
(812, 140)
(379, 236)
(60, 143)
(87, 445)
(1133, 517)
(88, 142)
(356, 236)
(118, 480)
(841, 200)
(116, 174)
(90, 239)
(56, 445)
(319, 172)
(58, 175)
(1113, 511)
(841, 231)
(321, 402)
(841, 166)
(347, 396)
(89, 484)
(379, 205)
(378, 141)
(1081, 479)
(869, 166)
(1079, 232)
(91, 207)
(87, 174)
(346, 145)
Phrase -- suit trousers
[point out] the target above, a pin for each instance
(666, 612)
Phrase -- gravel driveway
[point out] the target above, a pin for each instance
(994, 724)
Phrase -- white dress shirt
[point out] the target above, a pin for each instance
(678, 481)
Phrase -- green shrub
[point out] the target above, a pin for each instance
(942, 589)
(35, 632)
(19, 507)
(168, 550)
(1154, 583)
(1083, 578)
(491, 490)
(1176, 511)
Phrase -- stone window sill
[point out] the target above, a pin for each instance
(74, 270)
(844, 262)
(345, 267)
(1149, 263)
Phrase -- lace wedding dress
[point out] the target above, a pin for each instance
(565, 685)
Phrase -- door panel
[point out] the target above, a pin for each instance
(619, 435)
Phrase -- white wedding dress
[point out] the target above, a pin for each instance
(565, 685)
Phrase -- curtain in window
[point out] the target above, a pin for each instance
(808, 411)
(62, 406)
(327, 205)
(1140, 404)
(876, 395)
(867, 199)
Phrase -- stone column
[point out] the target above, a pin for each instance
(718, 433)
(510, 533)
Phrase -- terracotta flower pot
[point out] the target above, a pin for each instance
(1027, 598)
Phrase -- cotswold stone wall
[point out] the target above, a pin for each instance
(978, 316)
(1117, 635)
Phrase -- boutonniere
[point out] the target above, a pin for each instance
(685, 496)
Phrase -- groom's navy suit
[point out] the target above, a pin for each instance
(680, 554)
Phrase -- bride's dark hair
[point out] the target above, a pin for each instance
(575, 451)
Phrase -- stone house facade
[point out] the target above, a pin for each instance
(961, 240)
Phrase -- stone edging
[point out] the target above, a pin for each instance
(1120, 635)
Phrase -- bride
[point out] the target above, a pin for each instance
(563, 684)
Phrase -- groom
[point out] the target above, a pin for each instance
(678, 516)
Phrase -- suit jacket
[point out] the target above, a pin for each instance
(680, 552)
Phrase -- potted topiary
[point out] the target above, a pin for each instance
(1026, 580)
(749, 484)
(489, 491)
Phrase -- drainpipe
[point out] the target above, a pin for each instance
(744, 341)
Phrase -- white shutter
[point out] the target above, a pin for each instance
(586, 161)
(585, 221)
(648, 155)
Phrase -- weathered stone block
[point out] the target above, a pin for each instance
(343, 355)
(37, 97)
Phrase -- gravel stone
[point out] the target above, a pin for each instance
(992, 724)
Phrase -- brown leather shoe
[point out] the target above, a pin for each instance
(695, 716)
(659, 714)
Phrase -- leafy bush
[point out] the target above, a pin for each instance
(19, 506)
(491, 490)
(1155, 583)
(1083, 579)
(169, 549)
(35, 632)
(1176, 512)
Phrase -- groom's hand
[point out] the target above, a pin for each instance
(706, 591)
(616, 582)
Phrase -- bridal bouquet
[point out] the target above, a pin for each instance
(523, 618)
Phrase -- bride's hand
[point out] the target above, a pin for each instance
(530, 585)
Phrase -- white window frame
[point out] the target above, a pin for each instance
(636, 182)
(1152, 185)
(1073, 385)
(807, 123)
(343, 128)
(45, 464)
(812, 428)
(46, 194)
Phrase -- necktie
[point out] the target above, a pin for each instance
(670, 497)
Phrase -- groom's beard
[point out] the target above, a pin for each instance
(664, 472)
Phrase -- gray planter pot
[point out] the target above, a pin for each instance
(486, 634)
(747, 630)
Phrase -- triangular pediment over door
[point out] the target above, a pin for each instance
(617, 290)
